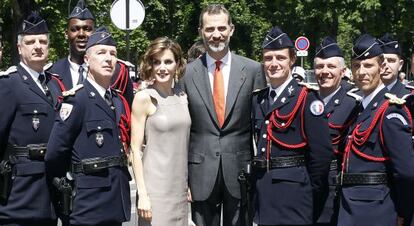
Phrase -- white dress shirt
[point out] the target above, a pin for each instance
(225, 70)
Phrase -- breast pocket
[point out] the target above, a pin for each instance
(100, 130)
(33, 109)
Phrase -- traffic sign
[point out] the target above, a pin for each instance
(127, 14)
(302, 43)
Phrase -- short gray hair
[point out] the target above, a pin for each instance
(341, 62)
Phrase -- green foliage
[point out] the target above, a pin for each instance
(343, 19)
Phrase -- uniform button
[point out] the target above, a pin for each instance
(349, 136)
(95, 165)
(263, 149)
(35, 111)
(217, 153)
(41, 152)
(264, 136)
(99, 127)
(267, 122)
(283, 124)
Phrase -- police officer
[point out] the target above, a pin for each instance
(393, 63)
(72, 69)
(290, 169)
(329, 68)
(86, 140)
(28, 105)
(378, 145)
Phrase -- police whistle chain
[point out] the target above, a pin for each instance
(61, 86)
(341, 129)
(122, 79)
(288, 119)
(359, 138)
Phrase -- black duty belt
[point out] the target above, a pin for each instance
(93, 165)
(334, 165)
(279, 162)
(32, 151)
(362, 178)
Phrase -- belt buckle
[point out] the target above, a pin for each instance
(93, 165)
(36, 152)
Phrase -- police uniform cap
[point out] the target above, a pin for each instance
(366, 47)
(389, 44)
(328, 48)
(277, 39)
(81, 12)
(100, 37)
(34, 24)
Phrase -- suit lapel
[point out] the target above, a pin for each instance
(335, 100)
(118, 106)
(98, 100)
(67, 77)
(28, 80)
(236, 80)
(202, 84)
(397, 88)
(372, 106)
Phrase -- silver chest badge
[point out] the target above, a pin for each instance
(35, 122)
(99, 138)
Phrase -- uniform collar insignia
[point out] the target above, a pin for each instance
(290, 90)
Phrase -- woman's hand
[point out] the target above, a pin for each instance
(144, 208)
(189, 197)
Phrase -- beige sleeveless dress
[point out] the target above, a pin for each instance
(167, 134)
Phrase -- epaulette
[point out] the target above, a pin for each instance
(350, 83)
(8, 71)
(409, 86)
(258, 90)
(47, 66)
(309, 86)
(127, 63)
(352, 93)
(72, 91)
(394, 99)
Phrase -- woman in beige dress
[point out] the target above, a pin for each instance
(161, 122)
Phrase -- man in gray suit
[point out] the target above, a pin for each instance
(219, 86)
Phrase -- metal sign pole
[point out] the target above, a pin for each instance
(301, 62)
(128, 30)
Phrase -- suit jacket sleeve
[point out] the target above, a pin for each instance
(260, 78)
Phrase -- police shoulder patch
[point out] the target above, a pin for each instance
(317, 107)
(309, 86)
(65, 111)
(72, 91)
(397, 116)
(393, 99)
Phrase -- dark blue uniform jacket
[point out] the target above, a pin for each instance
(375, 204)
(103, 196)
(284, 196)
(22, 105)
